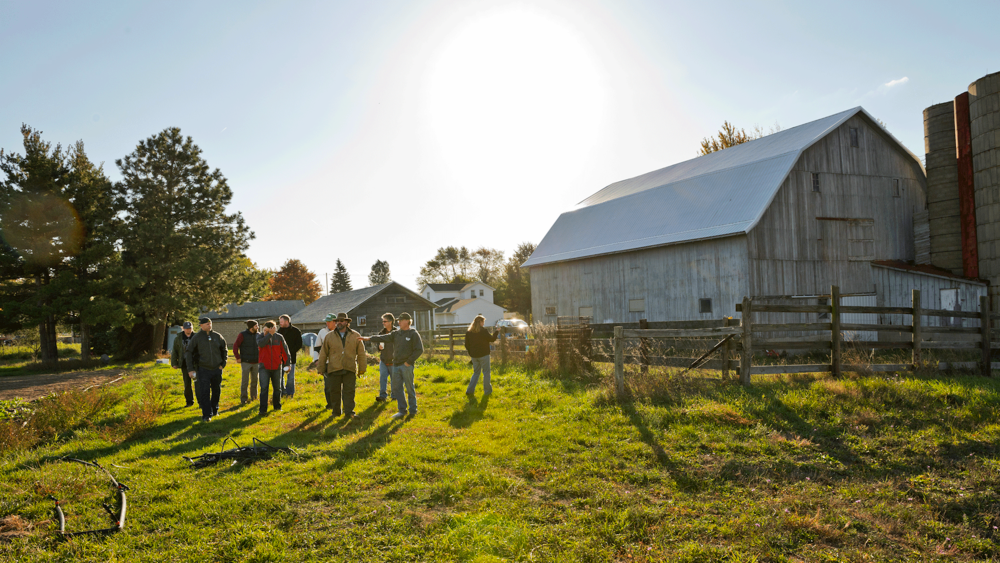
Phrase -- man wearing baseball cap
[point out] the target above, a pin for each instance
(206, 356)
(178, 360)
(341, 359)
(406, 348)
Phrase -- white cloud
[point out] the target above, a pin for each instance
(897, 82)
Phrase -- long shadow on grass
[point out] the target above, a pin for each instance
(366, 445)
(684, 479)
(470, 413)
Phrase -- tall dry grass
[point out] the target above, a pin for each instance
(55, 416)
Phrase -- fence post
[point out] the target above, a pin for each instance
(746, 356)
(644, 349)
(503, 347)
(915, 323)
(984, 329)
(726, 349)
(451, 341)
(620, 360)
(835, 335)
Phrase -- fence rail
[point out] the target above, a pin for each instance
(750, 336)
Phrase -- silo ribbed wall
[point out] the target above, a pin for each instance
(942, 187)
(984, 115)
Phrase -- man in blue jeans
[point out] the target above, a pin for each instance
(293, 339)
(406, 348)
(385, 361)
(206, 356)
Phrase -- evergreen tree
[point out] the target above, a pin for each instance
(341, 281)
(380, 273)
(181, 250)
(294, 281)
(87, 289)
(40, 232)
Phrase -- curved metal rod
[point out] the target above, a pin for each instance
(122, 505)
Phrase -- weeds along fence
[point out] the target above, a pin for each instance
(729, 344)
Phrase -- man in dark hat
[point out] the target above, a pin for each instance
(206, 356)
(341, 359)
(178, 359)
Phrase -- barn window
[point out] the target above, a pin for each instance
(550, 310)
(586, 311)
(854, 136)
(362, 320)
(823, 316)
(861, 240)
(895, 187)
(704, 305)
(815, 182)
(395, 299)
(637, 305)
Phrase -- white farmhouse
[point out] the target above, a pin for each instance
(459, 303)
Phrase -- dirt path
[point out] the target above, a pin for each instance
(29, 387)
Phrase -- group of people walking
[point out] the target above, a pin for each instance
(267, 357)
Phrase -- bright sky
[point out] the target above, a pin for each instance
(384, 130)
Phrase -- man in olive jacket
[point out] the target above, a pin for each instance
(342, 357)
(206, 356)
(178, 359)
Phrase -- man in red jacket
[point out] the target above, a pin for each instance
(273, 353)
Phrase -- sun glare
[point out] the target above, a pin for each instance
(514, 95)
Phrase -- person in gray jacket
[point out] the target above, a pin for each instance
(206, 356)
(406, 348)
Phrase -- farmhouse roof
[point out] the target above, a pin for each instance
(720, 194)
(347, 301)
(455, 305)
(257, 310)
(455, 286)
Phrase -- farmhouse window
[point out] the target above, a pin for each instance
(854, 136)
(586, 311)
(395, 299)
(362, 320)
(550, 310)
(637, 305)
(480, 293)
(704, 305)
(815, 182)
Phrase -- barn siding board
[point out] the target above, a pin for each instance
(674, 278)
(893, 288)
(793, 252)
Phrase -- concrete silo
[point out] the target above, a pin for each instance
(984, 133)
(942, 187)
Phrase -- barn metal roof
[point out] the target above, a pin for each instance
(347, 301)
(257, 310)
(720, 194)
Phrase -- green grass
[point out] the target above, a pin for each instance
(797, 469)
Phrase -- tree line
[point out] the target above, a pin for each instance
(451, 264)
(117, 260)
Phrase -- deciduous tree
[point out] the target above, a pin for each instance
(380, 273)
(294, 281)
(730, 136)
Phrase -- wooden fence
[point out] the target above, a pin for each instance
(749, 336)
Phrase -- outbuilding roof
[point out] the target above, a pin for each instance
(258, 310)
(720, 194)
(347, 301)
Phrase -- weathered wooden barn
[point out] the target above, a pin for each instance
(778, 218)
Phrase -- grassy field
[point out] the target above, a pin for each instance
(870, 469)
